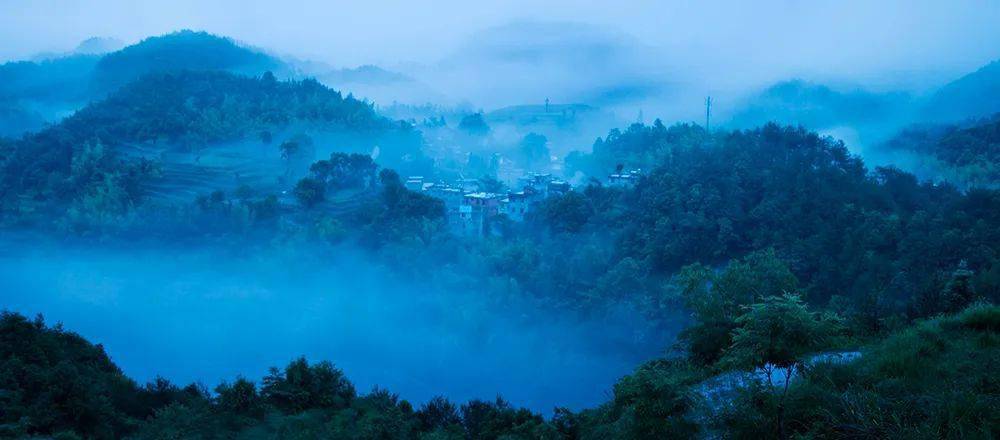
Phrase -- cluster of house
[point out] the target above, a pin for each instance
(625, 178)
(469, 209)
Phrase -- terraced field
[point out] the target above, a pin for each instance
(185, 175)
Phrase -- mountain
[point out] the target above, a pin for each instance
(975, 95)
(182, 50)
(98, 46)
(367, 74)
(57, 79)
(15, 119)
(55, 87)
(819, 106)
(548, 59)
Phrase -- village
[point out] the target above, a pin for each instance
(470, 208)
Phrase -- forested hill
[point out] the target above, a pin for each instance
(971, 96)
(198, 108)
(74, 76)
(878, 240)
(971, 150)
(61, 78)
(48, 90)
(178, 51)
(187, 111)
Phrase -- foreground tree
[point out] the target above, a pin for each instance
(777, 335)
(716, 300)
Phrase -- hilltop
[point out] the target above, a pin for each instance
(54, 87)
(179, 51)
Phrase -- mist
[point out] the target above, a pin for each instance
(209, 314)
(663, 58)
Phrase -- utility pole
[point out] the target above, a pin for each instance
(546, 105)
(708, 111)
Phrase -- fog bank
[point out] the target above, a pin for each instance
(208, 315)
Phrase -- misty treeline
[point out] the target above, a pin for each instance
(967, 152)
(934, 380)
(768, 245)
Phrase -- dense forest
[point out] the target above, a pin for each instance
(969, 151)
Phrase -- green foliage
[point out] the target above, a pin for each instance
(934, 380)
(297, 147)
(656, 399)
(959, 291)
(717, 300)
(881, 242)
(534, 149)
(60, 79)
(176, 52)
(981, 317)
(345, 171)
(474, 124)
(239, 398)
(302, 386)
(777, 333)
(969, 151)
(398, 215)
(484, 420)
(567, 213)
(309, 192)
(640, 146)
(83, 159)
(53, 381)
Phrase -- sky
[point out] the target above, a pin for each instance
(865, 40)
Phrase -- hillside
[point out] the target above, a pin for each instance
(968, 152)
(58, 79)
(709, 198)
(212, 129)
(367, 74)
(972, 96)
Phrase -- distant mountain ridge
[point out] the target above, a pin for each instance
(66, 83)
(366, 74)
(819, 106)
(974, 95)
(182, 50)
